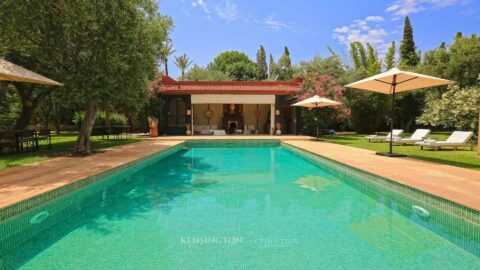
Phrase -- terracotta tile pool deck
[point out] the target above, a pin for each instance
(453, 183)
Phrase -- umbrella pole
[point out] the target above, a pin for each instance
(390, 149)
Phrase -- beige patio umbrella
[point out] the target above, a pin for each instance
(12, 72)
(316, 102)
(393, 81)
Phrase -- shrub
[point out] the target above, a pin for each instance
(116, 119)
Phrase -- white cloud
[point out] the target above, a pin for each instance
(201, 4)
(362, 31)
(275, 24)
(401, 8)
(374, 19)
(228, 11)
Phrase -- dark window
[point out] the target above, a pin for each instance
(176, 113)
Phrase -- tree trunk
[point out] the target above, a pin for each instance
(25, 116)
(166, 67)
(478, 133)
(82, 146)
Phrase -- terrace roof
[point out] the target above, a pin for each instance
(169, 86)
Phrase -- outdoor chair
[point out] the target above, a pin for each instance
(8, 141)
(418, 136)
(456, 139)
(376, 138)
(99, 131)
(26, 139)
(44, 135)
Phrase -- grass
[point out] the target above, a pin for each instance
(61, 145)
(463, 157)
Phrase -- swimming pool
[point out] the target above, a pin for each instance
(240, 205)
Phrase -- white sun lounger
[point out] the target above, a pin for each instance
(376, 138)
(418, 136)
(456, 139)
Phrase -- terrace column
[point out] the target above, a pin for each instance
(272, 118)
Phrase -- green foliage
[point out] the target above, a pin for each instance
(105, 52)
(272, 68)
(182, 62)
(464, 56)
(116, 119)
(408, 54)
(369, 111)
(262, 63)
(457, 108)
(390, 57)
(197, 73)
(9, 106)
(331, 65)
(284, 70)
(236, 64)
(153, 107)
(373, 63)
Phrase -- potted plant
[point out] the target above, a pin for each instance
(278, 127)
(154, 111)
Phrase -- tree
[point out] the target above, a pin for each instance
(358, 55)
(197, 73)
(390, 57)
(369, 110)
(408, 54)
(373, 63)
(165, 52)
(103, 51)
(285, 70)
(272, 68)
(262, 63)
(464, 59)
(234, 63)
(331, 65)
(457, 108)
(182, 62)
(31, 40)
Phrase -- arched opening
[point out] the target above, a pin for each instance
(176, 113)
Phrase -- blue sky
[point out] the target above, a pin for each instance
(205, 28)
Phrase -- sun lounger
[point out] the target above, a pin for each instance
(456, 139)
(377, 138)
(418, 136)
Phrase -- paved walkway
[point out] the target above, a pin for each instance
(453, 183)
(23, 182)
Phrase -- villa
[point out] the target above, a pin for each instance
(221, 107)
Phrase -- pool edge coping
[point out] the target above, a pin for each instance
(15, 208)
(378, 178)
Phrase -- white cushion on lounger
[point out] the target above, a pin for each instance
(457, 138)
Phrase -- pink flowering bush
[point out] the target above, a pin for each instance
(323, 85)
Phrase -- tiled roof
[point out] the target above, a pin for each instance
(169, 86)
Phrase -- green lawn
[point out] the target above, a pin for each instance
(61, 145)
(463, 157)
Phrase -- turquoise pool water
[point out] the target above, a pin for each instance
(227, 207)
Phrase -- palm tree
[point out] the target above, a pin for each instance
(182, 62)
(165, 52)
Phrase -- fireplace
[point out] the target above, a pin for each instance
(232, 118)
(232, 126)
